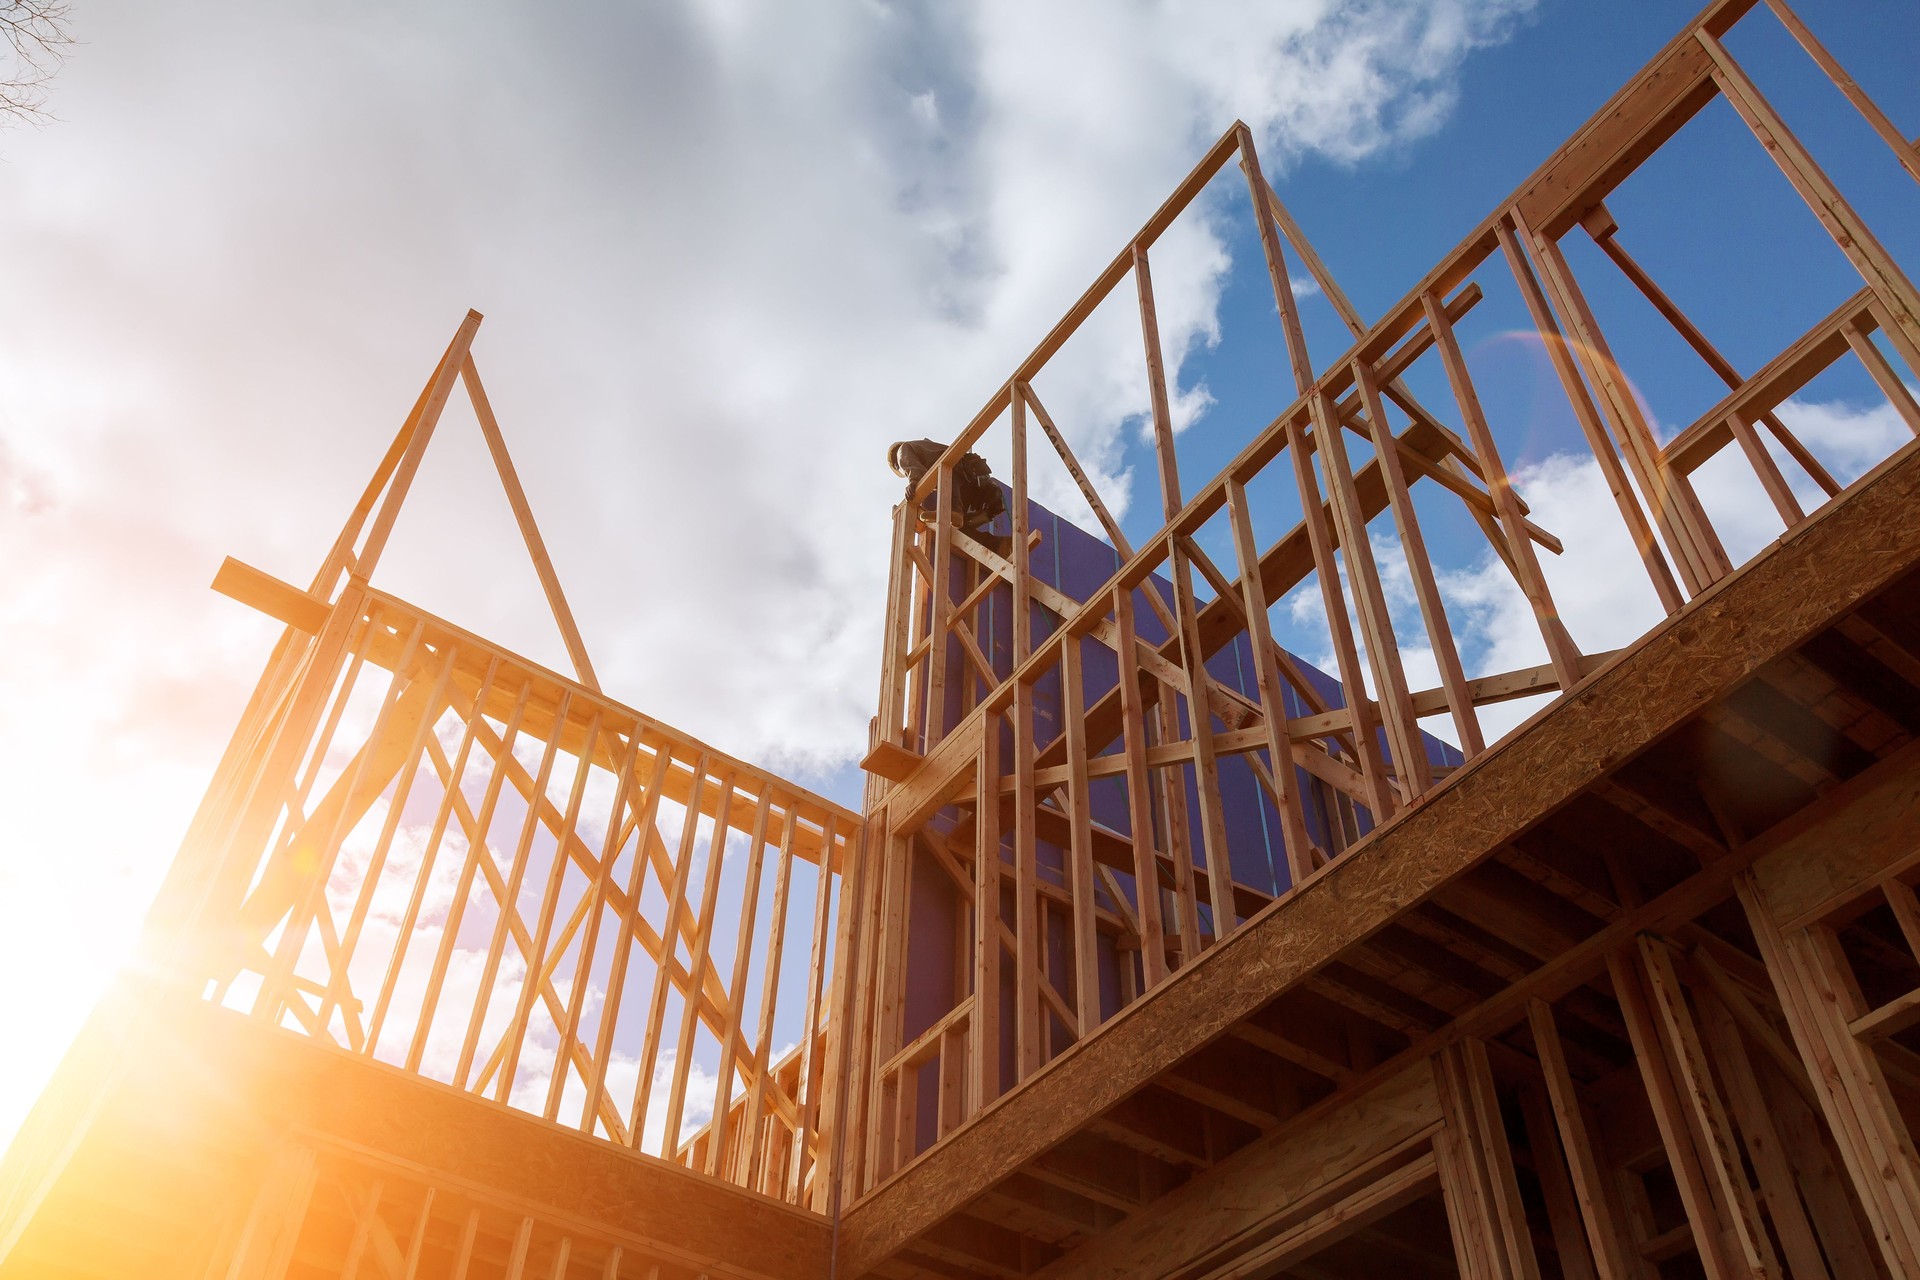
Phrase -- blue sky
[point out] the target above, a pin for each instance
(1710, 217)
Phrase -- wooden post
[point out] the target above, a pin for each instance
(1408, 753)
(744, 941)
(1599, 1211)
(1029, 1052)
(1019, 553)
(1283, 298)
(1865, 1122)
(529, 531)
(1561, 651)
(436, 400)
(1712, 1130)
(1875, 265)
(1631, 513)
(1676, 511)
(1293, 828)
(1476, 1171)
(984, 1026)
(1086, 952)
(940, 616)
(1146, 860)
(1904, 151)
(1664, 1092)
(1157, 387)
(1353, 684)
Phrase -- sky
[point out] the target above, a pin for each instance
(728, 251)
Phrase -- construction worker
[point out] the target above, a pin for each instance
(977, 499)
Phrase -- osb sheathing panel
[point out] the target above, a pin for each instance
(1849, 551)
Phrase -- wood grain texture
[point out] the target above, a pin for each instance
(1851, 550)
(211, 1089)
(1266, 1180)
(1807, 877)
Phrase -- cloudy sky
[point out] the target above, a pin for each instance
(727, 251)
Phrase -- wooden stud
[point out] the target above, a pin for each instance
(1029, 1052)
(1903, 150)
(1712, 1131)
(1672, 1114)
(515, 1034)
(508, 905)
(1550, 1168)
(529, 531)
(984, 1026)
(1019, 551)
(428, 414)
(468, 1234)
(1592, 1191)
(1146, 861)
(814, 1083)
(1876, 266)
(1769, 475)
(1891, 385)
(1407, 754)
(743, 948)
(1561, 651)
(1086, 952)
(1761, 1138)
(1163, 449)
(1676, 511)
(449, 792)
(1293, 828)
(1360, 710)
(1406, 522)
(1578, 398)
(1872, 1141)
(940, 609)
(1609, 243)
(418, 1240)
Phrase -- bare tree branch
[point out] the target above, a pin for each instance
(34, 35)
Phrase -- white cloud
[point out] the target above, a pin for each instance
(727, 252)
(1600, 584)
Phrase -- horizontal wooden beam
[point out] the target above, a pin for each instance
(184, 1069)
(1279, 1177)
(258, 589)
(1851, 549)
(546, 687)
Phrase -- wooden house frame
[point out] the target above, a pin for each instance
(1632, 990)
